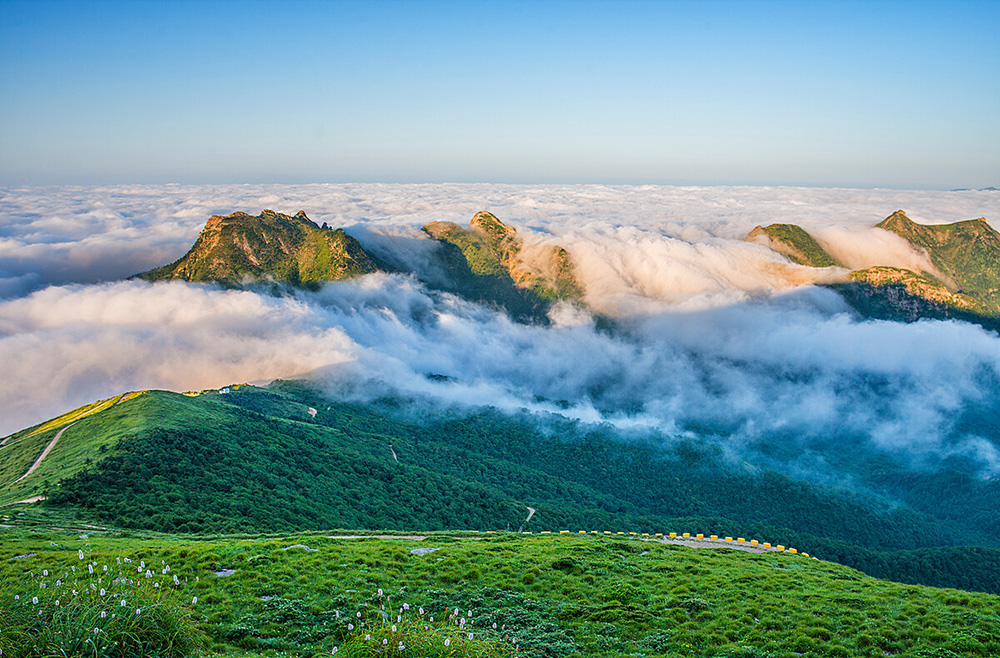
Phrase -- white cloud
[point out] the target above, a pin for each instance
(719, 333)
(66, 346)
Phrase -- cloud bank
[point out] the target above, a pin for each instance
(58, 235)
(717, 336)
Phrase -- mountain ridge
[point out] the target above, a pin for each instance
(966, 254)
(485, 263)
(271, 246)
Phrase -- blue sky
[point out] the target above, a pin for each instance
(890, 94)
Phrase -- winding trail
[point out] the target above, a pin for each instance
(45, 453)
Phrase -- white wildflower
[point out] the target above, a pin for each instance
(80, 553)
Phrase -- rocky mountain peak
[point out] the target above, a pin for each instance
(488, 222)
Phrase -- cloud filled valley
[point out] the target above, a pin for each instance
(712, 336)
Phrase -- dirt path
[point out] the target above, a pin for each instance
(45, 453)
(410, 537)
(33, 499)
(120, 398)
(719, 543)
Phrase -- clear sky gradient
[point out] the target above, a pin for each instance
(888, 94)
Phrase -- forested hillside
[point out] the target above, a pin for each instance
(260, 460)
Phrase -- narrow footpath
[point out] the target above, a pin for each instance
(45, 453)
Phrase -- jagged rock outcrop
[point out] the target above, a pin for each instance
(271, 246)
(486, 262)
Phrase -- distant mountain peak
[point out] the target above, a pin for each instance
(485, 263)
(965, 279)
(489, 223)
(895, 221)
(271, 246)
(793, 242)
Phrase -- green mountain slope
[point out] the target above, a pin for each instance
(554, 596)
(889, 293)
(794, 242)
(258, 459)
(269, 247)
(484, 263)
(966, 252)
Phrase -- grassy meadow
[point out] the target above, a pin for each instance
(486, 594)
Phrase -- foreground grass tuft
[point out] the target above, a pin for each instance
(101, 609)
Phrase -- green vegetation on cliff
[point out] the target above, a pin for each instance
(795, 243)
(966, 285)
(484, 263)
(889, 293)
(269, 247)
(967, 253)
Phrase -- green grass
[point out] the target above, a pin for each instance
(550, 595)
(93, 437)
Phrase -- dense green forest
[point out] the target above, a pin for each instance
(261, 462)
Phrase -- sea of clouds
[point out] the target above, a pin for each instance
(715, 332)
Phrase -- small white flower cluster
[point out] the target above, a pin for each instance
(96, 593)
(390, 632)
